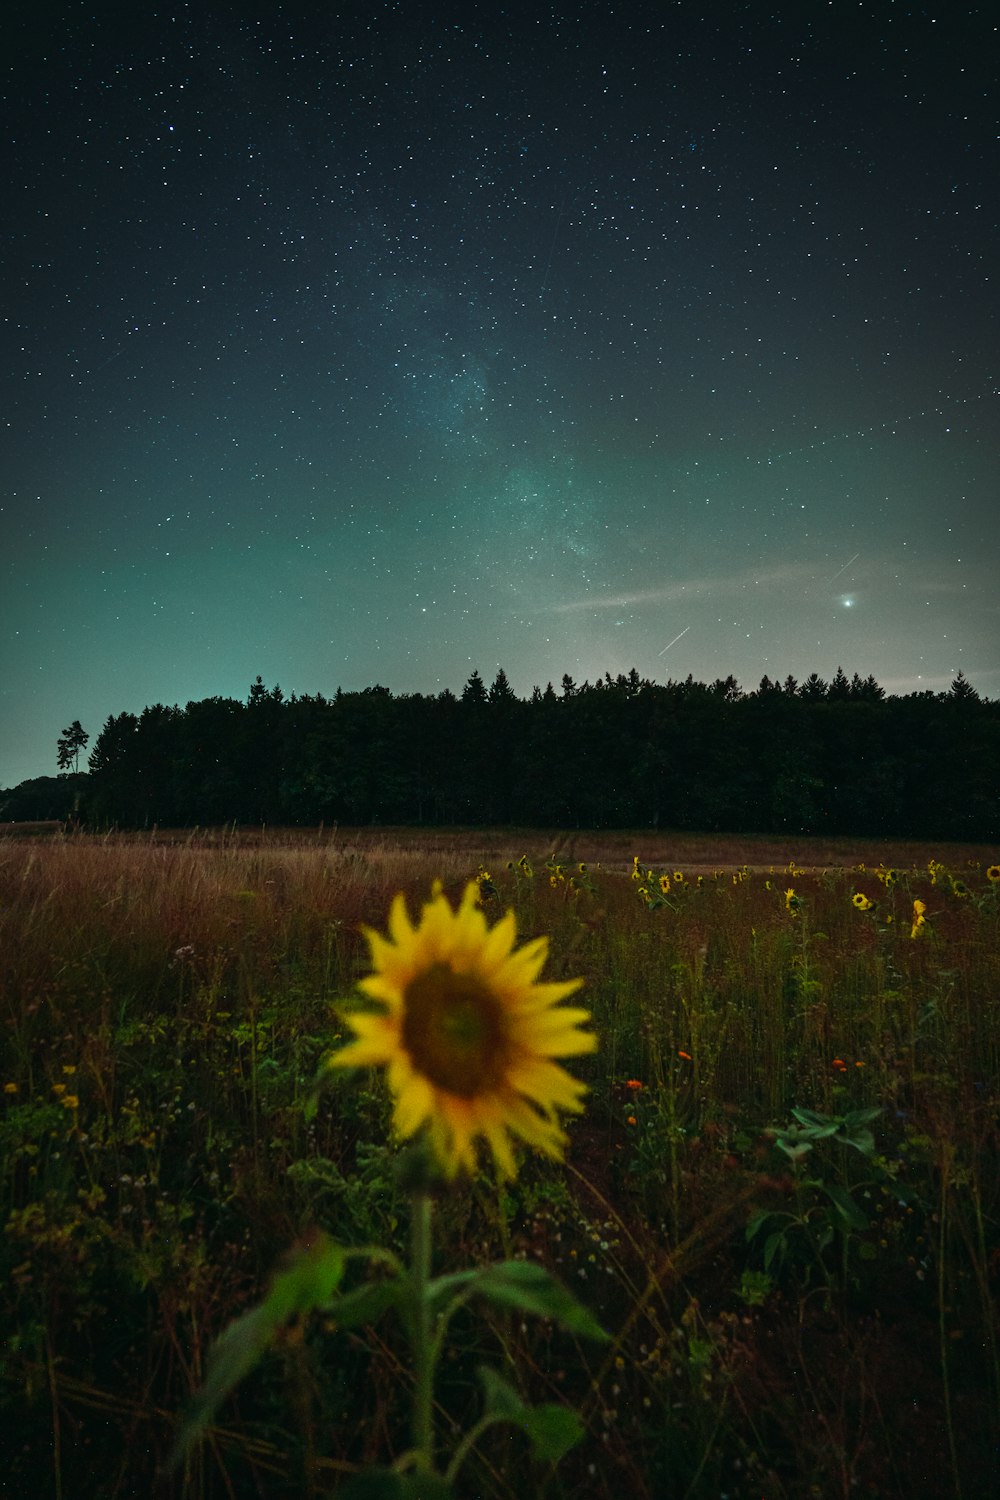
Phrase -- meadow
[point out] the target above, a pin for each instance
(782, 1201)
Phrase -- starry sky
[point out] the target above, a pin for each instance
(355, 343)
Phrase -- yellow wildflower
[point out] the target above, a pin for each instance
(468, 1035)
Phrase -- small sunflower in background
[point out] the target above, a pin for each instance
(468, 1035)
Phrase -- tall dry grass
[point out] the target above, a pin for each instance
(167, 1002)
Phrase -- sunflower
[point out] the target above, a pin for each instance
(861, 901)
(993, 872)
(467, 1034)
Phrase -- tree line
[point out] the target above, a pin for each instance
(815, 757)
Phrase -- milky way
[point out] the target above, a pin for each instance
(389, 343)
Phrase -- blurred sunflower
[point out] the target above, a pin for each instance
(861, 901)
(993, 872)
(467, 1034)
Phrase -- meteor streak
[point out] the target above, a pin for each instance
(675, 640)
(845, 567)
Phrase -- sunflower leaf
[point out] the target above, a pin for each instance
(552, 1429)
(529, 1287)
(443, 1290)
(309, 1279)
(501, 1399)
(365, 1304)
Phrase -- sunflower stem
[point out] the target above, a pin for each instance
(423, 1344)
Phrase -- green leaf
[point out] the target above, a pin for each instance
(366, 1303)
(552, 1429)
(318, 1171)
(845, 1207)
(501, 1399)
(444, 1289)
(774, 1244)
(861, 1117)
(386, 1484)
(795, 1150)
(323, 1079)
(816, 1124)
(312, 1273)
(529, 1287)
(756, 1224)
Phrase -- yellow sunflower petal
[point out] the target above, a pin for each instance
(541, 996)
(413, 1105)
(527, 963)
(453, 1133)
(469, 1032)
(499, 942)
(401, 929)
(382, 952)
(534, 1129)
(379, 987)
(549, 1085)
(497, 1139)
(373, 1046)
(552, 1020)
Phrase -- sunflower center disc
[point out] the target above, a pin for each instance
(453, 1030)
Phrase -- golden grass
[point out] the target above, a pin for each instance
(182, 986)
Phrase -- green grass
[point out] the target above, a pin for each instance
(167, 1001)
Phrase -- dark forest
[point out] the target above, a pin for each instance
(807, 758)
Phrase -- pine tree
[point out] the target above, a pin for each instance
(474, 690)
(501, 690)
(962, 691)
(69, 744)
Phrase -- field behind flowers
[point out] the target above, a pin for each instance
(805, 1311)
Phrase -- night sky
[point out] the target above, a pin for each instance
(379, 342)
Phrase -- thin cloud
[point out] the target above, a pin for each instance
(792, 576)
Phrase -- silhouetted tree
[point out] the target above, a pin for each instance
(69, 744)
(474, 690)
(840, 689)
(961, 690)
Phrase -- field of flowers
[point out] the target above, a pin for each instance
(780, 1201)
